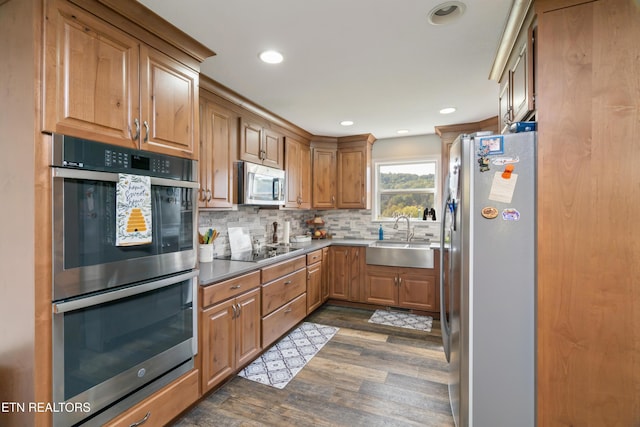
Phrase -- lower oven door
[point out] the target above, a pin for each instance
(109, 345)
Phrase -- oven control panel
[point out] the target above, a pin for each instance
(91, 155)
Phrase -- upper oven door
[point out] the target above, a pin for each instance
(85, 255)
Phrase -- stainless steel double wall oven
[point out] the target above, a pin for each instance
(124, 317)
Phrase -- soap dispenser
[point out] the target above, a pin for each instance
(380, 233)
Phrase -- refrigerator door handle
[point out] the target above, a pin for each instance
(444, 321)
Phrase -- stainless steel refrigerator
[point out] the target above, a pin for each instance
(488, 279)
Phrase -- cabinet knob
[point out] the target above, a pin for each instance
(235, 287)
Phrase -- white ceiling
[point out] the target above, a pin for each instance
(376, 62)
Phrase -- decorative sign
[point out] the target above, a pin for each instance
(133, 210)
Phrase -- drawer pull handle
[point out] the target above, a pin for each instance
(288, 282)
(235, 287)
(288, 310)
(142, 421)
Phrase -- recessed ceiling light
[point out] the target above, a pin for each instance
(446, 12)
(271, 57)
(401, 131)
(448, 110)
(346, 123)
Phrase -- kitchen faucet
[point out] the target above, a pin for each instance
(409, 232)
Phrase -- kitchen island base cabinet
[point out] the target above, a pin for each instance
(162, 407)
(230, 330)
(411, 288)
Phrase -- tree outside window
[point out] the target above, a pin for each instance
(405, 188)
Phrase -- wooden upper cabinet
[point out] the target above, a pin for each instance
(169, 114)
(273, 149)
(217, 130)
(91, 84)
(354, 170)
(516, 100)
(261, 145)
(324, 178)
(101, 83)
(298, 168)
(251, 137)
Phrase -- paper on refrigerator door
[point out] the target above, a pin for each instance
(502, 189)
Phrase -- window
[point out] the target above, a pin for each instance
(405, 188)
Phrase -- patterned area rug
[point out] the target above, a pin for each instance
(402, 320)
(278, 365)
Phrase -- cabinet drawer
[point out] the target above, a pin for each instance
(283, 290)
(283, 319)
(165, 405)
(314, 257)
(278, 270)
(229, 288)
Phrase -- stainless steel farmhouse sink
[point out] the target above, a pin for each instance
(400, 254)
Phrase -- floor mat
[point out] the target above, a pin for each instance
(278, 365)
(402, 320)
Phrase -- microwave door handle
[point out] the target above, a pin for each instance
(275, 189)
(63, 307)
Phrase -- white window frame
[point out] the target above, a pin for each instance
(375, 207)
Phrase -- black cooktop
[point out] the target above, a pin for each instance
(265, 253)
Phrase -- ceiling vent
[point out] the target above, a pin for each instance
(446, 12)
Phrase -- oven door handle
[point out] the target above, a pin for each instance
(77, 304)
(113, 177)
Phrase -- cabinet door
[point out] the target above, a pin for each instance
(314, 286)
(357, 269)
(250, 141)
(218, 350)
(339, 277)
(351, 178)
(324, 178)
(417, 290)
(292, 167)
(91, 87)
(520, 86)
(169, 113)
(217, 128)
(381, 286)
(273, 149)
(325, 274)
(305, 176)
(504, 103)
(247, 327)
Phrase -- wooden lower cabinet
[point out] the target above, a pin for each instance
(412, 288)
(163, 406)
(325, 274)
(230, 336)
(346, 265)
(280, 321)
(314, 286)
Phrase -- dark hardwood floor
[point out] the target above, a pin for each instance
(367, 375)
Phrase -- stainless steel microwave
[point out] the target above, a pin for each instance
(260, 185)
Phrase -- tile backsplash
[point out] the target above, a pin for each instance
(340, 223)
